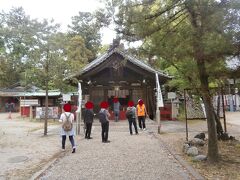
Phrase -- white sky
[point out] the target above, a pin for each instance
(59, 10)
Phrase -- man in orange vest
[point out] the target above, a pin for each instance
(141, 113)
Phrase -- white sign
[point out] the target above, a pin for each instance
(66, 97)
(159, 93)
(171, 95)
(52, 112)
(29, 102)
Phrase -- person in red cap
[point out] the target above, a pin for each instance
(116, 108)
(67, 129)
(103, 116)
(141, 113)
(88, 119)
(131, 116)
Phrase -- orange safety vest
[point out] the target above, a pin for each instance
(140, 110)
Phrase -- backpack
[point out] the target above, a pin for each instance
(130, 114)
(102, 117)
(67, 125)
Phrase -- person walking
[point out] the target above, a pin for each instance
(10, 108)
(88, 119)
(116, 108)
(67, 129)
(141, 113)
(103, 116)
(131, 116)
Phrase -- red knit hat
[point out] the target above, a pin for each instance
(140, 102)
(115, 99)
(67, 107)
(104, 104)
(89, 105)
(130, 104)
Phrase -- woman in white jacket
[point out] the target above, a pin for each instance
(67, 116)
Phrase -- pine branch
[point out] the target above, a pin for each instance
(163, 11)
(174, 27)
(150, 2)
(167, 22)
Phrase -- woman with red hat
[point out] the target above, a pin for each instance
(131, 116)
(67, 129)
(88, 119)
(141, 113)
(103, 116)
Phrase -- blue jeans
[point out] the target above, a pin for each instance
(132, 121)
(64, 137)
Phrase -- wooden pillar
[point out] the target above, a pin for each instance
(151, 103)
(31, 113)
(130, 95)
(90, 93)
(20, 107)
(105, 91)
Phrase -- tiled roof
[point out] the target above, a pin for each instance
(133, 60)
(11, 93)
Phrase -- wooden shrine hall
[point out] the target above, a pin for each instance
(116, 74)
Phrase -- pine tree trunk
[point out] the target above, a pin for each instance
(199, 56)
(213, 154)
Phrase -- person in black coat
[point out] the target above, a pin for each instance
(131, 116)
(88, 119)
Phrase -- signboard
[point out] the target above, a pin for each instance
(171, 95)
(29, 102)
(66, 97)
(52, 112)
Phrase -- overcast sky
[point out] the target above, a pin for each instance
(60, 10)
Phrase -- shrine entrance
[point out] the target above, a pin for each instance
(116, 74)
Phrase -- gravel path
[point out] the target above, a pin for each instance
(140, 156)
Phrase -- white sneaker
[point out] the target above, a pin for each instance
(144, 129)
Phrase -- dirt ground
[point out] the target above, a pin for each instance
(229, 165)
(23, 148)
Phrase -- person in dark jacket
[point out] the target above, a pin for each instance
(88, 119)
(131, 116)
(104, 121)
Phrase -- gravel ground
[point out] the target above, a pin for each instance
(140, 156)
(25, 152)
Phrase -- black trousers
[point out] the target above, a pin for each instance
(132, 121)
(64, 137)
(141, 122)
(88, 130)
(105, 129)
